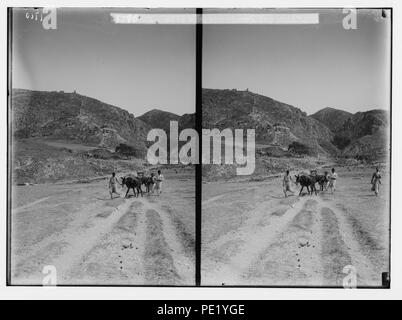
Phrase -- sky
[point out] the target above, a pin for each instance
(134, 67)
(308, 66)
(142, 67)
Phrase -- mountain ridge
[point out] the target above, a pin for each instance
(331, 117)
(275, 122)
(81, 119)
(74, 117)
(364, 134)
(157, 118)
(330, 131)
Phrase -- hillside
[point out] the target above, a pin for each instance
(364, 123)
(276, 123)
(159, 119)
(187, 120)
(66, 136)
(360, 135)
(332, 118)
(368, 133)
(75, 118)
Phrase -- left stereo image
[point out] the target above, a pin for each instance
(99, 189)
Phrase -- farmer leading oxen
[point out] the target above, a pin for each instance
(328, 175)
(286, 183)
(158, 182)
(376, 181)
(112, 185)
(332, 180)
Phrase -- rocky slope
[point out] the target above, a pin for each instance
(275, 123)
(332, 118)
(161, 119)
(158, 119)
(187, 120)
(74, 117)
(361, 135)
(66, 136)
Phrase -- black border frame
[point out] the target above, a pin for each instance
(9, 144)
(198, 125)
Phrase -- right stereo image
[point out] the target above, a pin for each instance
(296, 148)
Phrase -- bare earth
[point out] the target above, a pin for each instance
(93, 240)
(252, 235)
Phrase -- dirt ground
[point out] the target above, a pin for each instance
(93, 240)
(252, 235)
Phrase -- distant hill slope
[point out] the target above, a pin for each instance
(187, 121)
(276, 123)
(74, 117)
(332, 118)
(364, 123)
(159, 119)
(363, 134)
(368, 133)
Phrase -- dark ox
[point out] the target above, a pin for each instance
(148, 182)
(132, 183)
(322, 180)
(306, 181)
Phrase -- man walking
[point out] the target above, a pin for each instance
(112, 185)
(158, 184)
(376, 181)
(328, 179)
(332, 180)
(286, 183)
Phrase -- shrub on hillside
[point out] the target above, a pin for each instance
(129, 151)
(341, 142)
(300, 148)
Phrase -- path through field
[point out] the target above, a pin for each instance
(91, 239)
(252, 235)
